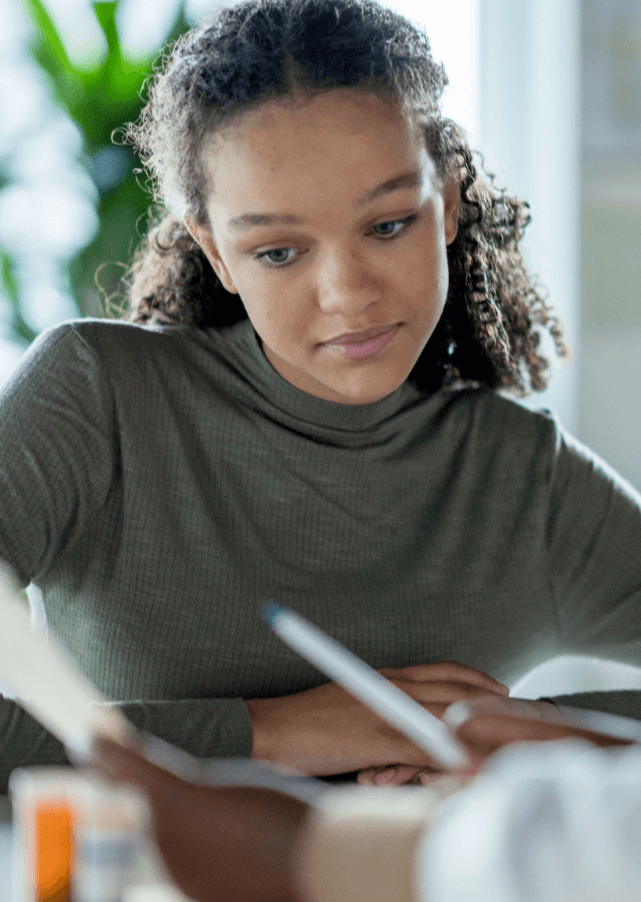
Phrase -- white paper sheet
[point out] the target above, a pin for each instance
(47, 683)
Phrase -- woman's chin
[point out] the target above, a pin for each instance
(367, 390)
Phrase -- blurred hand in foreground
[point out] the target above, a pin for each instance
(219, 844)
(241, 844)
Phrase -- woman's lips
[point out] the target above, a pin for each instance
(364, 344)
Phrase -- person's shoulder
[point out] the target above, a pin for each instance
(497, 434)
(102, 334)
(491, 411)
(104, 339)
(92, 333)
(56, 349)
(95, 350)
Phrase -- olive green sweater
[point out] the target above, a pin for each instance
(159, 484)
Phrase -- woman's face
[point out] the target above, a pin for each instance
(331, 223)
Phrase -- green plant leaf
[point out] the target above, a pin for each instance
(47, 37)
(106, 15)
(11, 289)
(100, 99)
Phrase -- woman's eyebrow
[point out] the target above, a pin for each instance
(249, 220)
(413, 179)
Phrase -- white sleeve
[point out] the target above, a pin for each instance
(359, 841)
(545, 822)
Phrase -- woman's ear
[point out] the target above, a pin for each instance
(451, 207)
(204, 238)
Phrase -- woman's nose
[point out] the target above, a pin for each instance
(345, 284)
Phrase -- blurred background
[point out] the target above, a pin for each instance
(549, 91)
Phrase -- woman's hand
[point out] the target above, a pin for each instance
(326, 731)
(397, 775)
(240, 844)
(486, 725)
(220, 844)
(484, 734)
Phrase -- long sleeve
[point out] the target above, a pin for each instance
(57, 452)
(206, 728)
(159, 484)
(59, 463)
(594, 542)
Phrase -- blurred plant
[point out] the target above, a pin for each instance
(98, 99)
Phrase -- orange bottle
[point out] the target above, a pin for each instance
(44, 819)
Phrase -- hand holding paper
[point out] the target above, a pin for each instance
(47, 684)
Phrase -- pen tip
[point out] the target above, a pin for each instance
(271, 611)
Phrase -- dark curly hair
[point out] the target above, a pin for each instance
(260, 50)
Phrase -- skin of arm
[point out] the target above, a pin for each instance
(220, 844)
(249, 844)
(326, 731)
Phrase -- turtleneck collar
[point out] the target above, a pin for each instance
(245, 346)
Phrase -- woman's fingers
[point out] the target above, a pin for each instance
(324, 730)
(446, 672)
(437, 695)
(436, 686)
(395, 775)
(486, 733)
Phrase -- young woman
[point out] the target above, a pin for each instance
(306, 407)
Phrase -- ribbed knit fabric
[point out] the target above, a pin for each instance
(159, 484)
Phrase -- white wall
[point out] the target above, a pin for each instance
(530, 137)
(453, 29)
(610, 373)
(514, 68)
(584, 242)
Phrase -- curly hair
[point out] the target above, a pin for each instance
(261, 50)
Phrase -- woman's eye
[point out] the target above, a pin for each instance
(392, 227)
(275, 257)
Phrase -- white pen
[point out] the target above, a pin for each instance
(564, 715)
(367, 685)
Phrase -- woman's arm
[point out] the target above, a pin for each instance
(327, 731)
(320, 732)
(245, 844)
(593, 538)
(57, 451)
(220, 844)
